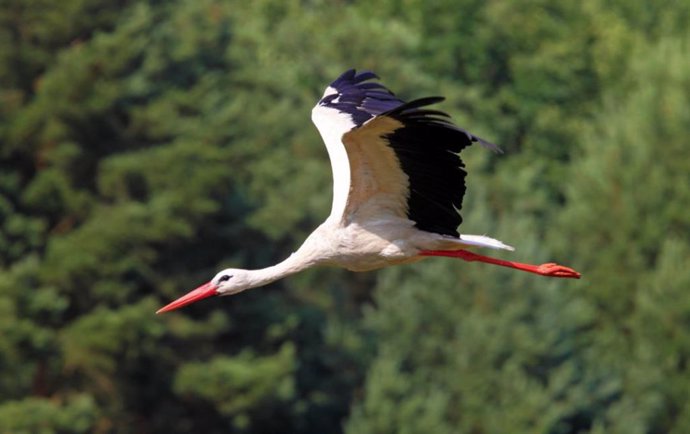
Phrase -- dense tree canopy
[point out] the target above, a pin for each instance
(144, 145)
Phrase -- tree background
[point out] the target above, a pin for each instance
(146, 144)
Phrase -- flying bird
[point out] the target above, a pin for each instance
(398, 184)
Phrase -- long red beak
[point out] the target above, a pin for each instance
(204, 291)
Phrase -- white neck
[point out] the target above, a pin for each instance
(308, 255)
(275, 272)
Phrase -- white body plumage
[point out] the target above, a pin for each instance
(398, 185)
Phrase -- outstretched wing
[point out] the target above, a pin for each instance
(393, 157)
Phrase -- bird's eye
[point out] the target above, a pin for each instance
(224, 278)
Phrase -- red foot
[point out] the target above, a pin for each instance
(555, 270)
(550, 269)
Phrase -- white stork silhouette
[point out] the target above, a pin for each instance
(398, 184)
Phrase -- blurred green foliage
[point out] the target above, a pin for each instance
(143, 145)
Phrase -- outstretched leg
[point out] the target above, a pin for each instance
(550, 269)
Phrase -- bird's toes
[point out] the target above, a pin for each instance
(556, 270)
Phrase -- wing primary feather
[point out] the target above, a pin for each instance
(425, 143)
(427, 146)
(364, 76)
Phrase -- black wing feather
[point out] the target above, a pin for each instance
(427, 147)
(362, 101)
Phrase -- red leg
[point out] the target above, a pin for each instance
(550, 269)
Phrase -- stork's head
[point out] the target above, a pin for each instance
(227, 282)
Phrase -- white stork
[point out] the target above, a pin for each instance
(398, 184)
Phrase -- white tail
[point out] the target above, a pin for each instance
(482, 241)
